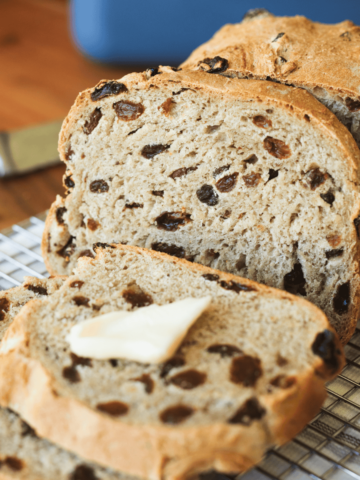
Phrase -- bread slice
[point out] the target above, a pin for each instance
(12, 300)
(24, 455)
(249, 374)
(323, 59)
(250, 177)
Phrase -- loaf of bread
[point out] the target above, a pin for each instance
(323, 59)
(249, 374)
(250, 177)
(24, 455)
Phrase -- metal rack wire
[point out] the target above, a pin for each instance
(20, 252)
(327, 449)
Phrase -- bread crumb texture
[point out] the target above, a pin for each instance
(249, 177)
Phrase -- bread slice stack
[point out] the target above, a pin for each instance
(237, 168)
(250, 177)
(249, 374)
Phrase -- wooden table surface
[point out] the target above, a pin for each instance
(41, 72)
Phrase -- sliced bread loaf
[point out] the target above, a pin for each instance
(24, 455)
(249, 374)
(250, 177)
(323, 59)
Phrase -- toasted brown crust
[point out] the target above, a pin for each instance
(19, 476)
(9, 476)
(151, 451)
(308, 54)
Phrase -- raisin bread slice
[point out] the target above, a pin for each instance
(250, 177)
(323, 59)
(24, 455)
(12, 301)
(249, 374)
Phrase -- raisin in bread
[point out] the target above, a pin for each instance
(24, 455)
(249, 374)
(250, 177)
(323, 59)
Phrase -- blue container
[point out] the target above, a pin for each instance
(164, 32)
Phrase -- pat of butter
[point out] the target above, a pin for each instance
(149, 335)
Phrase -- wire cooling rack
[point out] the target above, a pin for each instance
(20, 252)
(327, 449)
